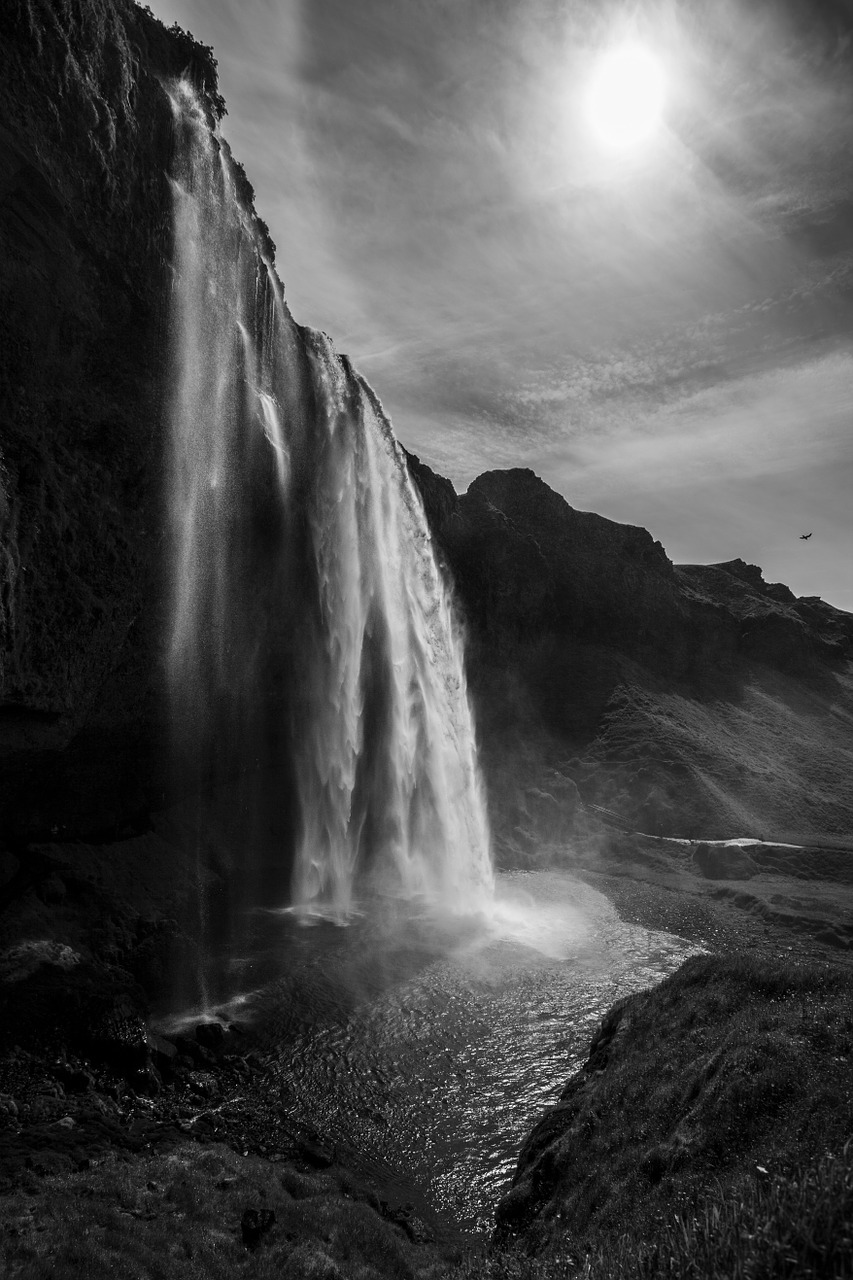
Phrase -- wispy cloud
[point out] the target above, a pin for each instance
(519, 298)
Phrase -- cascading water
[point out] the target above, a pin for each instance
(325, 752)
(316, 674)
(387, 764)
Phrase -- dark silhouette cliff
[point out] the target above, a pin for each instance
(686, 700)
(602, 674)
(85, 142)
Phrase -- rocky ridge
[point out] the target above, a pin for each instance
(578, 626)
(607, 682)
(687, 700)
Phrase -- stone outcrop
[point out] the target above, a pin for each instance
(685, 700)
(525, 560)
(85, 143)
(577, 625)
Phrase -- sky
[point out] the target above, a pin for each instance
(661, 328)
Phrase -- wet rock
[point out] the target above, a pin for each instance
(204, 1083)
(74, 1079)
(210, 1035)
(26, 958)
(147, 1081)
(163, 1052)
(117, 1034)
(149, 962)
(191, 1053)
(205, 1125)
(51, 1089)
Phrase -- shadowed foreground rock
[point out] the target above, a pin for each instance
(85, 141)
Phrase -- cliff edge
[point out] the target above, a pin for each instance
(692, 700)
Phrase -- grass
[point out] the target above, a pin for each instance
(708, 1138)
(793, 1227)
(182, 1222)
(796, 1225)
(729, 1065)
(178, 1216)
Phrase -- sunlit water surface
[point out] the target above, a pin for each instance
(431, 1047)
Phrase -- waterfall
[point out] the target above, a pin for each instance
(315, 667)
(387, 763)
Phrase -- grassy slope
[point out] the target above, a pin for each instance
(731, 1070)
(707, 1135)
(772, 761)
(179, 1214)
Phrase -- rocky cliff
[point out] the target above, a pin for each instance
(603, 675)
(684, 700)
(85, 142)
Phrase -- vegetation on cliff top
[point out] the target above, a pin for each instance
(728, 1085)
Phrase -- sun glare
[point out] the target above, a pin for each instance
(625, 97)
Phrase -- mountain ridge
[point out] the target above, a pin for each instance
(577, 626)
(633, 679)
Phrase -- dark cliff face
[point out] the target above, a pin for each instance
(578, 627)
(688, 700)
(85, 141)
(523, 557)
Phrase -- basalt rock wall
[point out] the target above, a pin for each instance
(85, 141)
(687, 700)
(564, 610)
(526, 562)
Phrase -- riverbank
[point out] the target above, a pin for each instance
(772, 898)
(122, 1131)
(727, 1085)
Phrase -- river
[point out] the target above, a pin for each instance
(430, 1047)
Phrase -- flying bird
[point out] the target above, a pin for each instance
(804, 537)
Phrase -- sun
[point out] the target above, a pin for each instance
(625, 97)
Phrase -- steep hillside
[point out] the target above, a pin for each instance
(730, 1077)
(85, 141)
(694, 700)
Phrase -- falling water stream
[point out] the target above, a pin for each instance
(304, 584)
(386, 763)
(324, 743)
